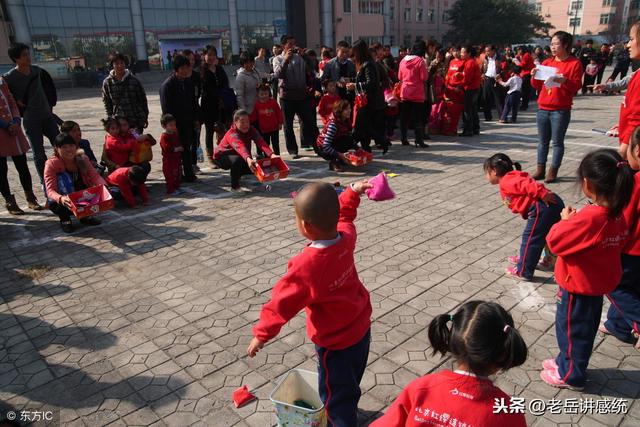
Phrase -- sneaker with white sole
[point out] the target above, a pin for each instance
(513, 273)
(550, 364)
(545, 265)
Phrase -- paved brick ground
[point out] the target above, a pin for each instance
(145, 319)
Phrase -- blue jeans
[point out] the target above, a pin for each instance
(552, 125)
(624, 312)
(540, 219)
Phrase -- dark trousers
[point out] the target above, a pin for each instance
(470, 113)
(273, 140)
(600, 74)
(341, 145)
(586, 82)
(624, 313)
(491, 97)
(20, 162)
(36, 127)
(412, 113)
(511, 106)
(390, 125)
(195, 143)
(621, 71)
(539, 221)
(236, 165)
(526, 92)
(340, 373)
(307, 116)
(577, 319)
(63, 213)
(185, 131)
(370, 125)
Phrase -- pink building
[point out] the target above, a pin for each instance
(412, 19)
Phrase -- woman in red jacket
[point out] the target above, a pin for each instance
(589, 245)
(471, 85)
(630, 108)
(554, 103)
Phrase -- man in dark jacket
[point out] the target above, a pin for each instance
(178, 98)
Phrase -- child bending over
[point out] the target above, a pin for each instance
(127, 179)
(335, 138)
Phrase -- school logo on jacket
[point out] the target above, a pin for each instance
(507, 201)
(456, 392)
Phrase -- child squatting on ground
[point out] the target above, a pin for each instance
(171, 154)
(539, 206)
(589, 244)
(482, 339)
(324, 281)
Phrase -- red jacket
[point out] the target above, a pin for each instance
(117, 148)
(236, 142)
(268, 115)
(526, 63)
(120, 179)
(472, 75)
(449, 399)
(560, 98)
(169, 142)
(629, 110)
(325, 107)
(588, 247)
(412, 73)
(519, 191)
(324, 282)
(631, 214)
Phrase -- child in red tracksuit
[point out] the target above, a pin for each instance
(126, 179)
(623, 317)
(524, 196)
(588, 244)
(483, 341)
(268, 115)
(330, 97)
(116, 150)
(171, 154)
(324, 281)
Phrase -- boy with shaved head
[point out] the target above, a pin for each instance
(323, 280)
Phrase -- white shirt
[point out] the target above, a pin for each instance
(514, 84)
(491, 68)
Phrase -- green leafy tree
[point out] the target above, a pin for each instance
(496, 22)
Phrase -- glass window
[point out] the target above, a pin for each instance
(419, 14)
(37, 16)
(54, 18)
(604, 19)
(84, 16)
(346, 6)
(97, 17)
(124, 18)
(574, 22)
(407, 14)
(576, 5)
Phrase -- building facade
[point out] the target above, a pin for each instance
(91, 28)
(418, 19)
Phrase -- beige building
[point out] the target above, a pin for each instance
(413, 19)
(608, 18)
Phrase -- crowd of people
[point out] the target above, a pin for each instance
(359, 92)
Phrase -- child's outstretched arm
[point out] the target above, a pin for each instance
(350, 200)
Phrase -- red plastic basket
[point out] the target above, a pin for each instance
(271, 169)
(358, 157)
(90, 201)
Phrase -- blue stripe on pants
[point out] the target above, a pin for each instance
(540, 219)
(340, 373)
(624, 312)
(577, 319)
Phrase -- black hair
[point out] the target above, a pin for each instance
(68, 125)
(117, 56)
(123, 118)
(16, 50)
(180, 61)
(284, 39)
(187, 52)
(245, 58)
(610, 177)
(343, 44)
(565, 38)
(326, 54)
(166, 119)
(106, 123)
(634, 141)
(418, 48)
(264, 87)
(136, 175)
(470, 50)
(501, 163)
(63, 139)
(589, 41)
(516, 69)
(361, 52)
(482, 337)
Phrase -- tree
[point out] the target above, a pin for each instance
(496, 22)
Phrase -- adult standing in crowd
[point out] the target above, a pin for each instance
(621, 62)
(413, 73)
(630, 107)
(585, 54)
(490, 90)
(178, 98)
(471, 86)
(371, 109)
(554, 104)
(526, 65)
(603, 58)
(293, 82)
(216, 113)
(197, 85)
(247, 81)
(262, 65)
(276, 51)
(123, 94)
(13, 144)
(341, 70)
(26, 83)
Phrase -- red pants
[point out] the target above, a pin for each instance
(171, 171)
